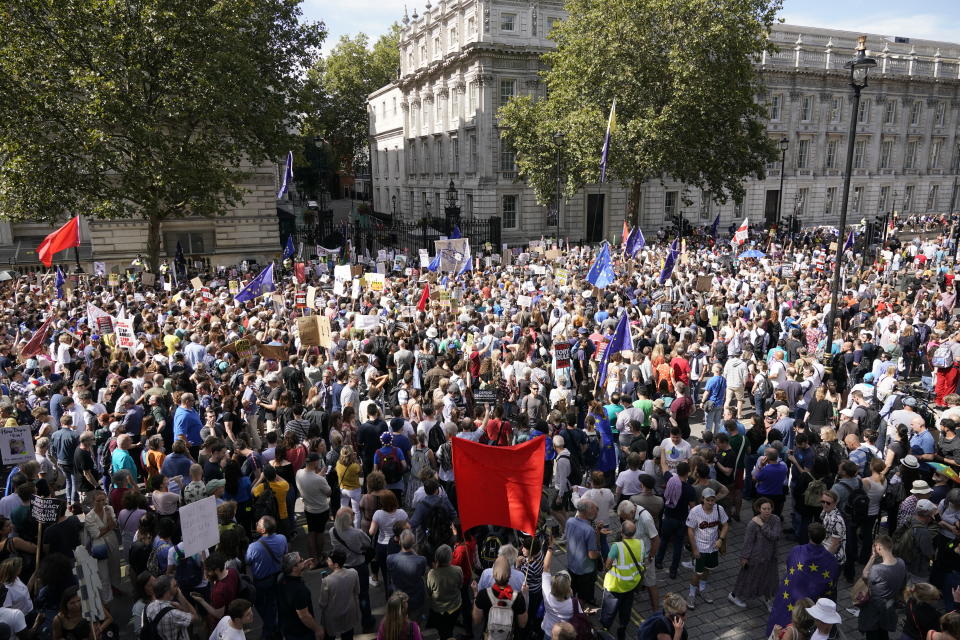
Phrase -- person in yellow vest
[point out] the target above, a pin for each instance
(624, 566)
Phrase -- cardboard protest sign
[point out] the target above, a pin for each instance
(16, 445)
(196, 283)
(273, 352)
(324, 337)
(242, 348)
(704, 284)
(312, 297)
(199, 524)
(307, 328)
(148, 279)
(552, 254)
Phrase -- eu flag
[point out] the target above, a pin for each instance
(812, 572)
(849, 243)
(435, 263)
(601, 272)
(635, 242)
(455, 234)
(621, 341)
(713, 227)
(670, 262)
(258, 286)
(58, 283)
(608, 448)
(289, 251)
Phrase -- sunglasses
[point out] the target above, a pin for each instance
(826, 502)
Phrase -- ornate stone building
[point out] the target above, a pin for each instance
(462, 59)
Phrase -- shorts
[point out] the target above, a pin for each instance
(317, 522)
(738, 393)
(706, 562)
(649, 575)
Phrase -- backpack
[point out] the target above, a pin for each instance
(942, 357)
(870, 419)
(500, 616)
(266, 504)
(592, 454)
(435, 437)
(149, 627)
(760, 344)
(865, 473)
(648, 628)
(857, 504)
(813, 492)
(188, 573)
(489, 549)
(390, 466)
(445, 456)
(246, 589)
(104, 459)
(155, 565)
(437, 526)
(903, 545)
(893, 496)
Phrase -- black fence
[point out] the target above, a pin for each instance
(373, 234)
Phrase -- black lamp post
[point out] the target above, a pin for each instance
(393, 199)
(783, 145)
(858, 66)
(452, 210)
(553, 216)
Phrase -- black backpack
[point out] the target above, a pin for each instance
(857, 504)
(592, 454)
(188, 573)
(149, 627)
(489, 550)
(390, 466)
(865, 472)
(435, 437)
(266, 504)
(437, 526)
(870, 419)
(760, 344)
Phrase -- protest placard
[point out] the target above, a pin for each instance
(375, 281)
(704, 284)
(199, 525)
(307, 327)
(148, 279)
(366, 322)
(273, 352)
(45, 510)
(561, 276)
(16, 445)
(300, 299)
(233, 287)
(113, 279)
(242, 348)
(485, 396)
(123, 329)
(100, 269)
(105, 325)
(312, 297)
(561, 355)
(197, 284)
(524, 301)
(324, 337)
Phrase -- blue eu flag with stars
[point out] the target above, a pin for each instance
(601, 272)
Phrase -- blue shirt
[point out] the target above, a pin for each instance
(186, 423)
(265, 556)
(805, 457)
(717, 388)
(176, 464)
(581, 540)
(770, 478)
(924, 440)
(121, 459)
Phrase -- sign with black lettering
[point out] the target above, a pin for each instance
(46, 510)
(485, 396)
(561, 355)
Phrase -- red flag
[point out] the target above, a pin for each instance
(499, 485)
(626, 233)
(35, 345)
(424, 298)
(63, 238)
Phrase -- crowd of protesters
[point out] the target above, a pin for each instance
(846, 452)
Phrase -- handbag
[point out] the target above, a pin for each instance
(860, 592)
(99, 549)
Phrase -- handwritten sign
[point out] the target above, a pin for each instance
(273, 352)
(16, 445)
(324, 337)
(364, 323)
(197, 284)
(242, 348)
(524, 301)
(198, 522)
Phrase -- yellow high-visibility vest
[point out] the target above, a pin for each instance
(624, 575)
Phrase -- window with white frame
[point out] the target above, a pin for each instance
(469, 205)
(936, 147)
(412, 164)
(471, 25)
(737, 210)
(454, 154)
(452, 38)
(932, 197)
(396, 160)
(941, 113)
(863, 112)
(857, 199)
(890, 112)
(438, 166)
(908, 198)
(916, 112)
(508, 160)
(508, 22)
(886, 154)
(192, 242)
(884, 199)
(437, 50)
(454, 104)
(803, 153)
(706, 204)
(508, 211)
(425, 166)
(670, 203)
(829, 200)
(800, 206)
(836, 110)
(833, 146)
(806, 108)
(423, 51)
(474, 96)
(776, 106)
(508, 89)
(913, 151)
(410, 61)
(859, 154)
(473, 152)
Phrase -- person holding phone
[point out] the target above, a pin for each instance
(669, 624)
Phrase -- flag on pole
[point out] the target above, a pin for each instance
(287, 176)
(605, 154)
(435, 263)
(289, 251)
(601, 272)
(635, 242)
(455, 234)
(621, 341)
(58, 283)
(467, 265)
(65, 237)
(849, 243)
(424, 298)
(35, 344)
(743, 232)
(669, 263)
(625, 233)
(258, 286)
(714, 227)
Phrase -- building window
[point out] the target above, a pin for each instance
(412, 165)
(832, 147)
(857, 199)
(438, 166)
(507, 90)
(737, 210)
(454, 104)
(706, 205)
(800, 206)
(863, 112)
(452, 34)
(425, 167)
(806, 108)
(913, 148)
(508, 21)
(551, 25)
(803, 153)
(474, 96)
(509, 211)
(941, 113)
(828, 200)
(469, 205)
(886, 153)
(455, 155)
(908, 198)
(916, 111)
(776, 104)
(884, 198)
(410, 62)
(859, 151)
(192, 242)
(473, 152)
(436, 46)
(396, 160)
(932, 197)
(936, 146)
(423, 51)
(836, 110)
(670, 203)
(508, 160)
(471, 25)
(890, 112)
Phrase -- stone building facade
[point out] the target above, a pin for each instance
(462, 59)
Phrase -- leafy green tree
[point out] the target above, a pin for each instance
(349, 73)
(685, 86)
(146, 109)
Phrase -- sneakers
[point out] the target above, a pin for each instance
(686, 565)
(736, 601)
(690, 603)
(703, 596)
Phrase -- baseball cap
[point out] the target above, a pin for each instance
(709, 493)
(925, 506)
(910, 401)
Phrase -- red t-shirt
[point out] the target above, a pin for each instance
(223, 592)
(461, 558)
(497, 434)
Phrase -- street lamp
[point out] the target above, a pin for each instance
(553, 219)
(858, 66)
(783, 144)
(393, 199)
(452, 210)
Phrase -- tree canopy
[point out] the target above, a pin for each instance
(149, 108)
(682, 74)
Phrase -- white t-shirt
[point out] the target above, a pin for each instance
(14, 618)
(223, 631)
(385, 521)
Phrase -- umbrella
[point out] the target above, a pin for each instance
(944, 470)
(752, 253)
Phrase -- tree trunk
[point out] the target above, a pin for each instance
(633, 204)
(154, 241)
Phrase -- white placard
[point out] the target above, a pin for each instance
(524, 301)
(198, 522)
(123, 329)
(100, 268)
(366, 322)
(311, 297)
(16, 445)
